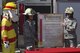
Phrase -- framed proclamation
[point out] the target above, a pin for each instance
(50, 30)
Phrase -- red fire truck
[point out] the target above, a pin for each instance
(44, 21)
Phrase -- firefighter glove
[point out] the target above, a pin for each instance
(6, 44)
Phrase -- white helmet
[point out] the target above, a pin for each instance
(29, 11)
(69, 10)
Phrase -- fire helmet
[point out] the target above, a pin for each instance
(29, 11)
(69, 10)
(10, 5)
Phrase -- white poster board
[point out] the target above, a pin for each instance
(50, 30)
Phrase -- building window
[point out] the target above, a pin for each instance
(69, 0)
(43, 0)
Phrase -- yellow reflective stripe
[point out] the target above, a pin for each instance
(6, 22)
(4, 33)
(11, 33)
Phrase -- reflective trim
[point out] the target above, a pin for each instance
(10, 7)
(7, 28)
(10, 40)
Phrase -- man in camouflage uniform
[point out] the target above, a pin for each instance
(70, 24)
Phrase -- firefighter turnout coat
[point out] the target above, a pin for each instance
(29, 33)
(8, 34)
(70, 28)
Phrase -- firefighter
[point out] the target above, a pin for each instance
(0, 34)
(70, 25)
(8, 34)
(29, 29)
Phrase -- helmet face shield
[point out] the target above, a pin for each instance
(15, 10)
(13, 16)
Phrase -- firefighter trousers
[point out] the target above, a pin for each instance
(11, 48)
